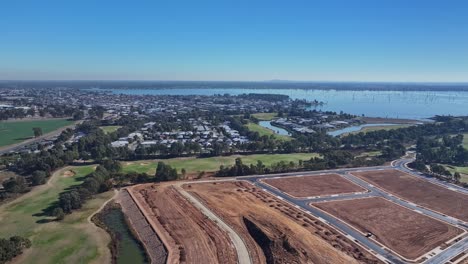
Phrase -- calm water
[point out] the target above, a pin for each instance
(395, 104)
(130, 251)
(278, 130)
(354, 129)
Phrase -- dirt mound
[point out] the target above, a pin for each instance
(274, 231)
(276, 248)
(183, 228)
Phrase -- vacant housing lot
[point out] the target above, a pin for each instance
(316, 185)
(274, 231)
(419, 191)
(406, 232)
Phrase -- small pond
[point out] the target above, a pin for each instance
(130, 250)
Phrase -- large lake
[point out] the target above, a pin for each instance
(395, 104)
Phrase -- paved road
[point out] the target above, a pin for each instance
(242, 251)
(303, 204)
(338, 224)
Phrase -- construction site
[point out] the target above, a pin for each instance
(384, 214)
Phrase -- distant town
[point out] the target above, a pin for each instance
(247, 174)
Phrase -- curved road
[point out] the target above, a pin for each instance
(303, 204)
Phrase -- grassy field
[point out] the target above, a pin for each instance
(265, 116)
(462, 170)
(465, 140)
(370, 154)
(194, 165)
(266, 132)
(74, 240)
(109, 129)
(18, 131)
(374, 128)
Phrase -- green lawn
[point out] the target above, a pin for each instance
(74, 240)
(193, 165)
(462, 170)
(374, 128)
(265, 116)
(109, 129)
(18, 131)
(263, 131)
(370, 154)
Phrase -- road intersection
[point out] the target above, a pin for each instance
(435, 256)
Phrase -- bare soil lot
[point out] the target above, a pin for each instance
(185, 231)
(406, 232)
(419, 191)
(274, 231)
(317, 185)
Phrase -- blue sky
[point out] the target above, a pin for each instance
(349, 40)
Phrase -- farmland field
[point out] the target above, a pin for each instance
(73, 240)
(18, 131)
(194, 165)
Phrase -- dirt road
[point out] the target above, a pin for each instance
(241, 248)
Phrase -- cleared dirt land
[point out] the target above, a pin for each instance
(185, 231)
(404, 231)
(419, 191)
(273, 231)
(317, 185)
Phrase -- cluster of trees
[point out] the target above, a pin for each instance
(106, 175)
(12, 247)
(6, 114)
(438, 170)
(446, 149)
(175, 149)
(96, 112)
(380, 138)
(165, 172)
(34, 168)
(37, 131)
(96, 182)
(55, 111)
(45, 161)
(16, 184)
(433, 151)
